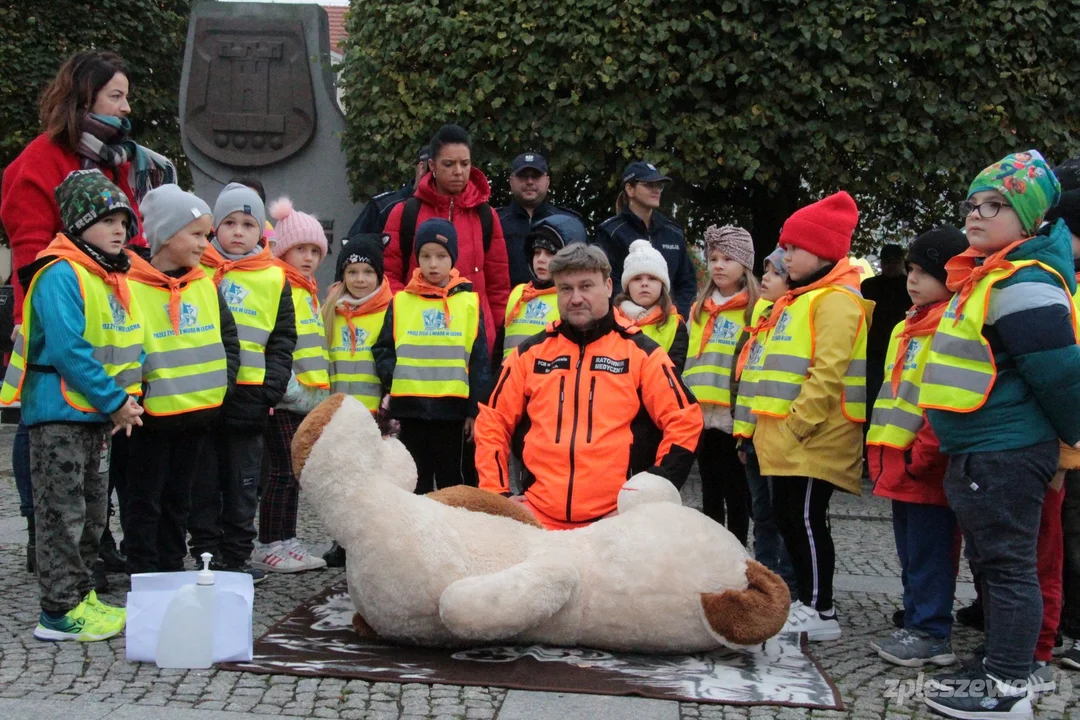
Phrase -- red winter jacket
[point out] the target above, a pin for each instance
(28, 208)
(914, 475)
(490, 273)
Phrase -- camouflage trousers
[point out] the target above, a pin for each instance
(70, 498)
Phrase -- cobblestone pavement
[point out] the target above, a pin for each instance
(97, 672)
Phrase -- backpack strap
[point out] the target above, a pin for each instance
(485, 224)
(407, 234)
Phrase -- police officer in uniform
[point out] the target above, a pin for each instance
(529, 183)
(373, 217)
(637, 217)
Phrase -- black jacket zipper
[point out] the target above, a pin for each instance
(592, 391)
(573, 432)
(562, 397)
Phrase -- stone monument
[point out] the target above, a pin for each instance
(258, 98)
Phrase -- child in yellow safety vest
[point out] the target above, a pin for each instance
(76, 368)
(432, 358)
(532, 306)
(907, 466)
(1001, 388)
(192, 359)
(300, 247)
(254, 286)
(769, 547)
(810, 399)
(718, 322)
(646, 302)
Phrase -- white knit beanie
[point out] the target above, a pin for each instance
(644, 259)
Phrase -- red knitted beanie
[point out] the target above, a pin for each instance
(823, 228)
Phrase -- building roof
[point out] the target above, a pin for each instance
(336, 14)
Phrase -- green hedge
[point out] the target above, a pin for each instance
(38, 36)
(754, 107)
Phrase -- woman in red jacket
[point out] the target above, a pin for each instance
(84, 125)
(456, 191)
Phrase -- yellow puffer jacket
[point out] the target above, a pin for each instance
(815, 439)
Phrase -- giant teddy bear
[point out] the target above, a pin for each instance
(656, 577)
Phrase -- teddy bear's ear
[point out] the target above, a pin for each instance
(311, 429)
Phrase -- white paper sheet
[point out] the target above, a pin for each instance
(151, 594)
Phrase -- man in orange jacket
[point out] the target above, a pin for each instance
(577, 399)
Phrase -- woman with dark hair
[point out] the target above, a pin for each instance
(457, 191)
(84, 125)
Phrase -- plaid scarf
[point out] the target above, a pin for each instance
(106, 142)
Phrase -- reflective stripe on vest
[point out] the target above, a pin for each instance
(354, 373)
(663, 334)
(115, 334)
(708, 375)
(745, 421)
(897, 420)
(432, 350)
(788, 356)
(960, 370)
(253, 297)
(310, 361)
(532, 317)
(189, 371)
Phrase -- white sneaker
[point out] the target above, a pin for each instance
(275, 557)
(802, 618)
(300, 554)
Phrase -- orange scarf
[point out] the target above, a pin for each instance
(744, 353)
(709, 306)
(377, 303)
(298, 279)
(965, 274)
(419, 286)
(63, 249)
(529, 294)
(844, 274)
(926, 325)
(147, 274)
(213, 259)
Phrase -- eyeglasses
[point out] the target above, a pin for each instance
(987, 210)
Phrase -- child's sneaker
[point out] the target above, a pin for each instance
(818, 627)
(1041, 679)
(1071, 658)
(83, 623)
(257, 576)
(300, 553)
(910, 648)
(982, 696)
(285, 556)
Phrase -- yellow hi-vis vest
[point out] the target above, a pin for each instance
(532, 317)
(663, 333)
(745, 422)
(116, 335)
(708, 374)
(960, 370)
(310, 361)
(189, 371)
(789, 353)
(354, 373)
(432, 349)
(897, 420)
(253, 297)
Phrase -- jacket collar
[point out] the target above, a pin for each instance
(597, 330)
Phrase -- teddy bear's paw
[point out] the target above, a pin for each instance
(751, 616)
(365, 631)
(503, 604)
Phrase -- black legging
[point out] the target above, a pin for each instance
(801, 511)
(725, 496)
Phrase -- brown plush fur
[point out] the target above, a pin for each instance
(753, 615)
(365, 631)
(482, 501)
(310, 430)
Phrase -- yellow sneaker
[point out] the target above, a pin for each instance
(115, 612)
(84, 623)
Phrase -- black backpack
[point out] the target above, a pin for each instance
(408, 231)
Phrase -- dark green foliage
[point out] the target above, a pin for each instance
(754, 108)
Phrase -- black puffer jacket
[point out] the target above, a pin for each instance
(247, 408)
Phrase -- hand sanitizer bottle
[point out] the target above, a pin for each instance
(186, 638)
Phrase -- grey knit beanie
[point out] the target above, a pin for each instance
(235, 197)
(167, 210)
